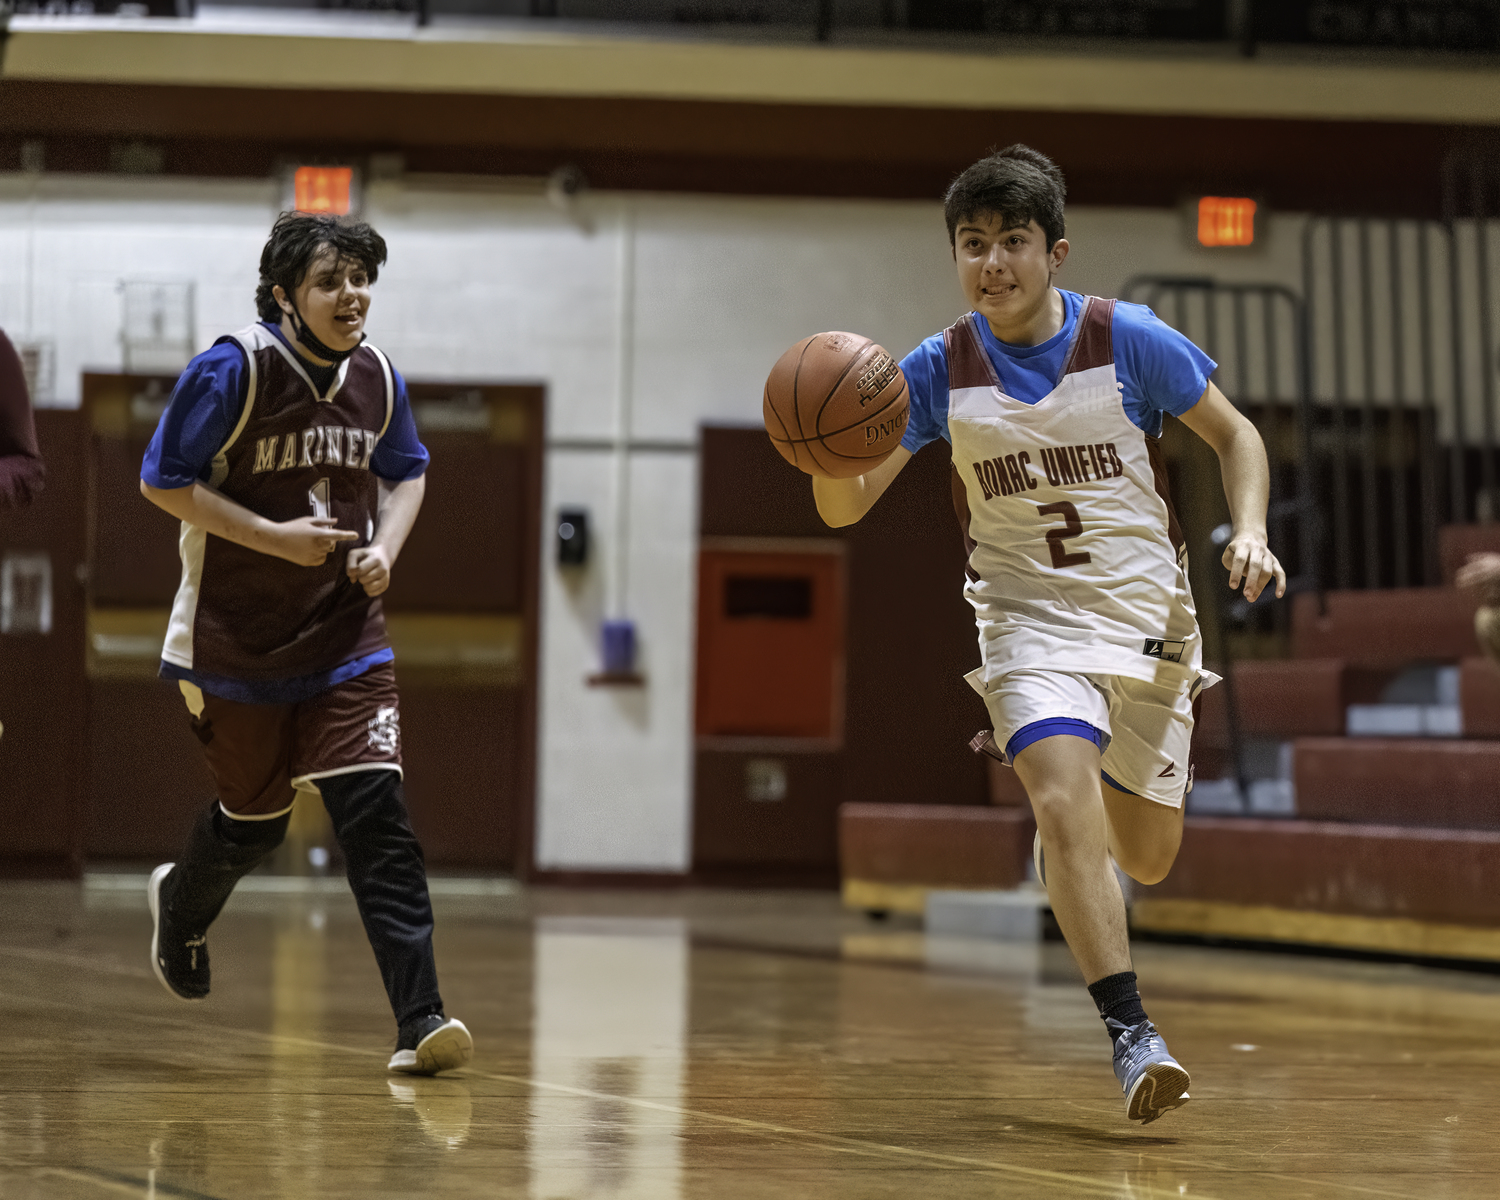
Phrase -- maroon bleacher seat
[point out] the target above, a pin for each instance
(1437, 875)
(1386, 627)
(1479, 697)
(1278, 698)
(1457, 542)
(935, 845)
(1399, 781)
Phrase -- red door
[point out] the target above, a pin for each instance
(771, 643)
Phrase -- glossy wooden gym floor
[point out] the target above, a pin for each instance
(714, 1045)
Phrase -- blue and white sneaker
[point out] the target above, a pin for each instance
(1152, 1080)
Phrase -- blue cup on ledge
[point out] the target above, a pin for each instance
(619, 647)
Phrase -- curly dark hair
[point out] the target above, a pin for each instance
(297, 239)
(1018, 183)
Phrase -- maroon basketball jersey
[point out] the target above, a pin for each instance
(241, 614)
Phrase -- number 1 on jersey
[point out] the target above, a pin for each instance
(1055, 537)
(317, 496)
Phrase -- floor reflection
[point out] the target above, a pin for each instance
(444, 1108)
(299, 976)
(609, 1026)
(901, 1068)
(299, 1000)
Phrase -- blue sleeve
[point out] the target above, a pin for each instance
(202, 413)
(1167, 373)
(400, 455)
(926, 371)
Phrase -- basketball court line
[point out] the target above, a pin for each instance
(113, 1181)
(80, 961)
(1082, 1185)
(860, 1146)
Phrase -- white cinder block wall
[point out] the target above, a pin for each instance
(489, 283)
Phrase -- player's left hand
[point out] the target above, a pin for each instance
(1249, 559)
(370, 567)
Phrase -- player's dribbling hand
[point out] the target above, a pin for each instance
(370, 567)
(1249, 559)
(308, 541)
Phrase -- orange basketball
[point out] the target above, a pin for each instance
(835, 405)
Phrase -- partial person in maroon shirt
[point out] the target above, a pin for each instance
(21, 469)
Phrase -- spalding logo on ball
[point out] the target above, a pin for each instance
(835, 405)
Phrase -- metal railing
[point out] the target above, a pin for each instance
(1402, 377)
(1257, 333)
(1375, 388)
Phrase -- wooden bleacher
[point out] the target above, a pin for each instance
(1395, 844)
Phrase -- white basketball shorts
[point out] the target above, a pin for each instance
(1144, 730)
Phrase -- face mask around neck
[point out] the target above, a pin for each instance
(310, 340)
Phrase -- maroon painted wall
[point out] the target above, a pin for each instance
(42, 675)
(909, 713)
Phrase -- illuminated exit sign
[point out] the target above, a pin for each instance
(323, 189)
(1226, 221)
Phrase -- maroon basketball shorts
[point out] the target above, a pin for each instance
(260, 754)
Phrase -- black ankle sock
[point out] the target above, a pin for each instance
(1116, 996)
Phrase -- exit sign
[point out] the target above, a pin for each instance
(323, 189)
(1226, 221)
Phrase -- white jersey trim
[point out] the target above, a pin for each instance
(390, 388)
(178, 648)
(192, 541)
(264, 337)
(313, 776)
(234, 816)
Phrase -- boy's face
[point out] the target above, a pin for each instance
(1006, 271)
(333, 298)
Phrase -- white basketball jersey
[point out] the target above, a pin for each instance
(1076, 560)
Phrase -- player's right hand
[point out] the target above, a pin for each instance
(308, 541)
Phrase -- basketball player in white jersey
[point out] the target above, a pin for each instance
(1091, 657)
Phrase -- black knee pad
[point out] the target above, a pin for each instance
(220, 851)
(219, 837)
(265, 833)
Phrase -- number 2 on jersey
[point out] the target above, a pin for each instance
(317, 496)
(1055, 537)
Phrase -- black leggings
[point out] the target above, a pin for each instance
(389, 882)
(385, 870)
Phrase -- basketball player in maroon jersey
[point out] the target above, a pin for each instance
(21, 470)
(289, 454)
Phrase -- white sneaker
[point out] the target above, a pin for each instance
(431, 1044)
